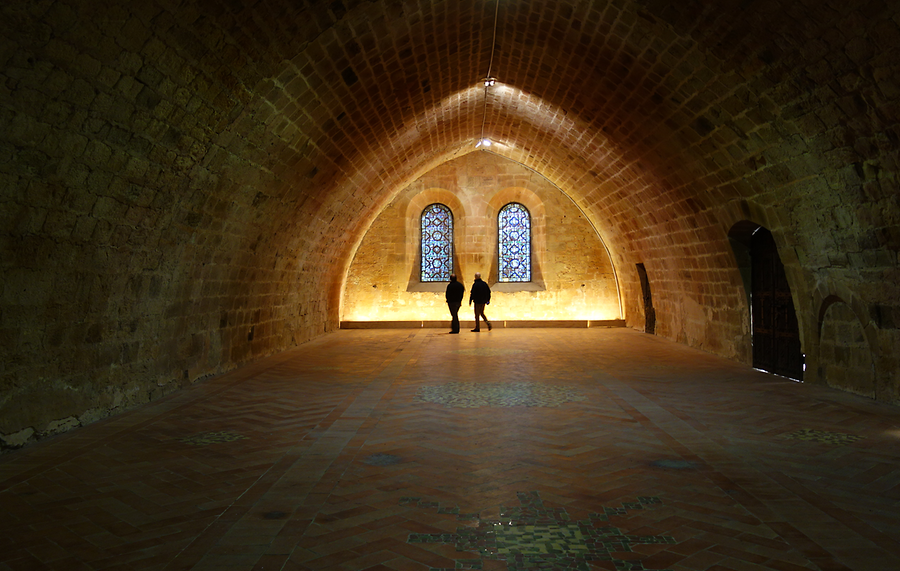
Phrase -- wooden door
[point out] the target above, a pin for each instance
(776, 334)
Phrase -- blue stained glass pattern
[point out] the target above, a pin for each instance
(437, 244)
(514, 224)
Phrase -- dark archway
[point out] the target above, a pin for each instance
(774, 328)
(649, 312)
(776, 333)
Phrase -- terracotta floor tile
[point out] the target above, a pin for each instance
(329, 560)
(404, 564)
(832, 565)
(701, 560)
(269, 562)
(662, 560)
(401, 451)
(371, 561)
(691, 546)
(739, 554)
(376, 567)
(786, 566)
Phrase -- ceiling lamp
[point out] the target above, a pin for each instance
(485, 142)
(488, 81)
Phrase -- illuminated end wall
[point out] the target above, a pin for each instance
(572, 276)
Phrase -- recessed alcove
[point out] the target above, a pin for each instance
(572, 273)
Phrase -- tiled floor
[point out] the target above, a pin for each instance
(518, 449)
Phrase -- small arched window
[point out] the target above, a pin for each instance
(514, 243)
(437, 244)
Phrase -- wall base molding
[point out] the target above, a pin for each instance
(498, 324)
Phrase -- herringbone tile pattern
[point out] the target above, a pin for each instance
(518, 449)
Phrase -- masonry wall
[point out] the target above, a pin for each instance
(572, 274)
(845, 359)
(144, 246)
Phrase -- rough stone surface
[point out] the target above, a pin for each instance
(183, 185)
(845, 359)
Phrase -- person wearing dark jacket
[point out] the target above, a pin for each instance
(480, 295)
(454, 295)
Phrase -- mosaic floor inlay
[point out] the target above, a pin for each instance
(206, 438)
(674, 464)
(531, 536)
(381, 460)
(838, 438)
(488, 351)
(474, 395)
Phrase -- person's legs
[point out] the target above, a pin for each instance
(484, 317)
(454, 314)
(479, 311)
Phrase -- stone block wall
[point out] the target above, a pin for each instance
(845, 358)
(144, 243)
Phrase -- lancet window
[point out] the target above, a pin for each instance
(437, 244)
(514, 243)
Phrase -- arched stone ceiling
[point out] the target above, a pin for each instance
(652, 117)
(602, 101)
(616, 105)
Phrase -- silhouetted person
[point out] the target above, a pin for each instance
(454, 295)
(480, 295)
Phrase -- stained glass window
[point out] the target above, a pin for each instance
(514, 227)
(437, 243)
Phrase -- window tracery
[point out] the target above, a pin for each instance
(514, 243)
(437, 243)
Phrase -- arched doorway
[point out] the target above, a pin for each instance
(775, 331)
(649, 312)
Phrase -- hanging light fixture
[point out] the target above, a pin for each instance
(489, 82)
(484, 142)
